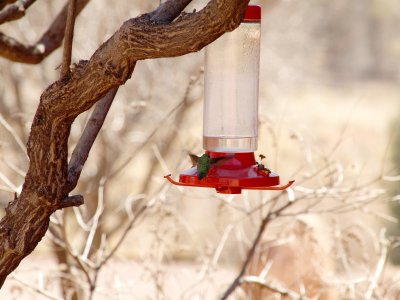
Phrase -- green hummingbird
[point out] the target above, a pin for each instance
(205, 162)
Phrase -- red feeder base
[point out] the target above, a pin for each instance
(239, 172)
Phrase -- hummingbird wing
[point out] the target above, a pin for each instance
(194, 159)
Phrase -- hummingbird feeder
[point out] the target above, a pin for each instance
(230, 121)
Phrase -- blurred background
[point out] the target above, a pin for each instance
(328, 118)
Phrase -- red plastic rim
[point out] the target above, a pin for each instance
(252, 14)
(237, 173)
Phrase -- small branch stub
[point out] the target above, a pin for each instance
(76, 200)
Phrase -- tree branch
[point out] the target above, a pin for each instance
(13, 50)
(3, 3)
(166, 12)
(69, 36)
(140, 39)
(15, 11)
(71, 201)
(85, 143)
(46, 183)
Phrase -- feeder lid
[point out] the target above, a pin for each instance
(252, 14)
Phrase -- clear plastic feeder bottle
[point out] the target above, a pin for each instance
(231, 88)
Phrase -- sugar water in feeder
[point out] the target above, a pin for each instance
(231, 88)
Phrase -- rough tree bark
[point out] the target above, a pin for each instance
(46, 185)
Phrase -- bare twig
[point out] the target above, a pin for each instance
(376, 276)
(17, 80)
(8, 182)
(85, 143)
(144, 144)
(272, 214)
(79, 219)
(127, 229)
(95, 221)
(171, 135)
(3, 3)
(212, 261)
(166, 12)
(262, 282)
(15, 136)
(72, 201)
(69, 36)
(36, 289)
(13, 167)
(15, 11)
(122, 237)
(7, 189)
(71, 252)
(237, 281)
(14, 50)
